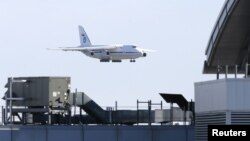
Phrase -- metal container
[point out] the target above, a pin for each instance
(40, 91)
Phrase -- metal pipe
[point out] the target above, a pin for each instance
(2, 115)
(161, 108)
(184, 115)
(218, 72)
(236, 71)
(80, 112)
(114, 116)
(116, 105)
(226, 71)
(11, 79)
(137, 117)
(171, 113)
(16, 98)
(110, 115)
(246, 70)
(75, 102)
(49, 117)
(149, 112)
(5, 111)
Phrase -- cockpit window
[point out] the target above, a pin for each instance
(134, 46)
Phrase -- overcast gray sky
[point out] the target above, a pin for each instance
(178, 29)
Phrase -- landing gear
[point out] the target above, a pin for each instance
(132, 60)
(104, 60)
(116, 61)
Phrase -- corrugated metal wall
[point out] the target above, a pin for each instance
(96, 133)
(202, 120)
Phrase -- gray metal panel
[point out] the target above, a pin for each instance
(97, 133)
(210, 96)
(238, 94)
(221, 95)
(35, 92)
(58, 90)
(130, 116)
(160, 134)
(5, 133)
(141, 133)
(64, 133)
(35, 133)
(165, 115)
(100, 133)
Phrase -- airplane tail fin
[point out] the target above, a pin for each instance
(84, 39)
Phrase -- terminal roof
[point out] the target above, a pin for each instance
(229, 41)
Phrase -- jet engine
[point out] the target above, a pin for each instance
(107, 52)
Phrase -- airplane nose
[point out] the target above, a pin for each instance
(143, 53)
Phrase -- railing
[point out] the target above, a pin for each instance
(178, 118)
(1, 115)
(219, 25)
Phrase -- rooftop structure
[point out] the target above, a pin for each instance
(229, 42)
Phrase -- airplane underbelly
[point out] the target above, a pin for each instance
(117, 56)
(113, 55)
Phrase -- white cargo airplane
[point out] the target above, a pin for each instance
(106, 53)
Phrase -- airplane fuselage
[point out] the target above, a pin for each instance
(120, 53)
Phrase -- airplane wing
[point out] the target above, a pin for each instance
(86, 48)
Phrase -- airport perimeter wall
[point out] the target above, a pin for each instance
(96, 133)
